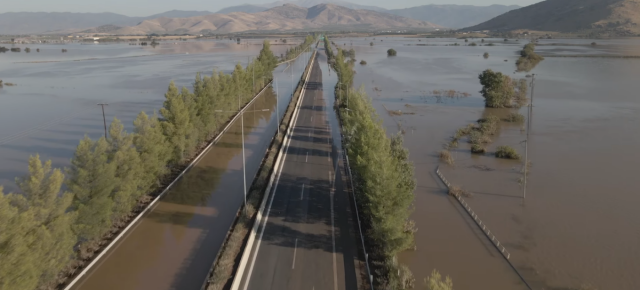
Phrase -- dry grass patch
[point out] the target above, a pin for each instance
(456, 191)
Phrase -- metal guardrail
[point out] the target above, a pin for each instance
(478, 221)
(485, 229)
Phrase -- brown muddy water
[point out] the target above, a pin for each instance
(579, 227)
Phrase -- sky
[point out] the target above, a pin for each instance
(149, 7)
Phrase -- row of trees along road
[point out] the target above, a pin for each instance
(45, 234)
(295, 51)
(383, 177)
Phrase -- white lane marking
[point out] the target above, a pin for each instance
(295, 249)
(302, 192)
(275, 188)
(307, 159)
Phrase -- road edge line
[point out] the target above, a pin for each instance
(279, 164)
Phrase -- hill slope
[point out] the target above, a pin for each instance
(38, 22)
(286, 17)
(454, 16)
(613, 17)
(249, 8)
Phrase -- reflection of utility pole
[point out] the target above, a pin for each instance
(104, 119)
(533, 79)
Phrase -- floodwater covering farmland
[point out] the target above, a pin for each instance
(174, 245)
(578, 227)
(54, 101)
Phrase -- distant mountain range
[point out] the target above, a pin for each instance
(288, 17)
(252, 8)
(449, 16)
(454, 16)
(39, 22)
(610, 17)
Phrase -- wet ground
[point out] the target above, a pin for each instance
(578, 226)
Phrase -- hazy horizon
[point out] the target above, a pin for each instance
(150, 7)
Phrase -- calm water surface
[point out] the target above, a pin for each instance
(579, 226)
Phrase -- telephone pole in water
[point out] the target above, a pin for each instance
(104, 119)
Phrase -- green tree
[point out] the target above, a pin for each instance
(128, 171)
(176, 124)
(36, 240)
(435, 282)
(153, 149)
(267, 59)
(92, 180)
(497, 89)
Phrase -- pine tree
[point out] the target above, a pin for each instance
(92, 180)
(176, 123)
(39, 240)
(268, 60)
(153, 149)
(128, 171)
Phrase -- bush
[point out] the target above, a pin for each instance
(478, 149)
(456, 191)
(363, 62)
(392, 52)
(514, 118)
(27, 50)
(371, 43)
(486, 55)
(507, 152)
(490, 44)
(473, 44)
(528, 59)
(445, 156)
(594, 44)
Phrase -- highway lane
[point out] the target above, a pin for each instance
(174, 244)
(308, 240)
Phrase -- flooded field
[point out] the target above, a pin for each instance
(54, 102)
(578, 227)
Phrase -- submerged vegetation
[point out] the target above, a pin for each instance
(507, 152)
(514, 118)
(384, 177)
(445, 157)
(528, 58)
(46, 233)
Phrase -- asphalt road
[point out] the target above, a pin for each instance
(308, 240)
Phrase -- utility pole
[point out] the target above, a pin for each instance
(277, 111)
(533, 78)
(526, 164)
(104, 119)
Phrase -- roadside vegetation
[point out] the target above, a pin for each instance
(47, 234)
(528, 58)
(363, 62)
(392, 52)
(293, 52)
(384, 178)
(436, 282)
